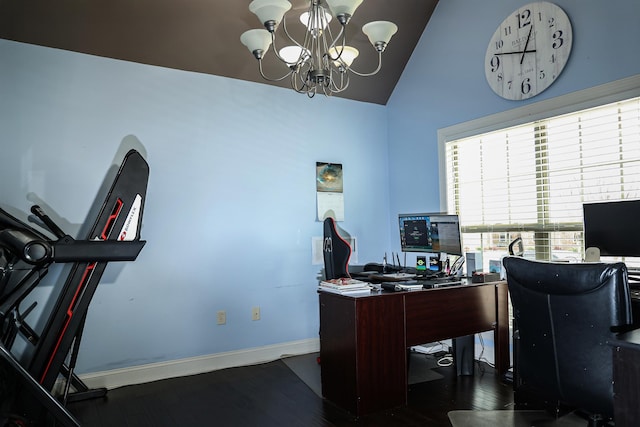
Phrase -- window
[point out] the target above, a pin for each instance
(531, 179)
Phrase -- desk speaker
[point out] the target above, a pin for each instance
(474, 262)
(592, 255)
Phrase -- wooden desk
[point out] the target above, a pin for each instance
(626, 377)
(364, 338)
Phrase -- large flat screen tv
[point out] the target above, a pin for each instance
(430, 233)
(613, 227)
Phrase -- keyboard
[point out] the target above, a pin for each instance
(398, 276)
(439, 282)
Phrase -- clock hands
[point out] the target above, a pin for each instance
(520, 52)
(526, 44)
(512, 53)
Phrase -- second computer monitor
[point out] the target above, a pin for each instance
(613, 227)
(430, 233)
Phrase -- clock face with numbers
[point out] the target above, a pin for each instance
(528, 51)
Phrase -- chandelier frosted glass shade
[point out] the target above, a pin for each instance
(293, 55)
(257, 41)
(269, 10)
(379, 33)
(318, 22)
(343, 7)
(343, 56)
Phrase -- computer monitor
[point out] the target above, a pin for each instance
(613, 227)
(430, 233)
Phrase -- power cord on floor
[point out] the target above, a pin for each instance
(445, 361)
(481, 357)
(443, 358)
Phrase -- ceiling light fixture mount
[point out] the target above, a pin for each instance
(321, 62)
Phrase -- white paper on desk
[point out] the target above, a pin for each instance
(330, 205)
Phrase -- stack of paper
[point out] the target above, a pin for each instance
(345, 286)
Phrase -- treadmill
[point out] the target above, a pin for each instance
(28, 375)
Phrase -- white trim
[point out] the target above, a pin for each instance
(197, 365)
(587, 98)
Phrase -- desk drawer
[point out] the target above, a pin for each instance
(443, 313)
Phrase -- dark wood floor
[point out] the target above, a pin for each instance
(271, 394)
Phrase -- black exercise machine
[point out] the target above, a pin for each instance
(27, 380)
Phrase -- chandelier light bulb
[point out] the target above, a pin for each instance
(343, 56)
(317, 23)
(293, 55)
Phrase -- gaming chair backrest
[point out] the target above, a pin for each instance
(336, 252)
(564, 315)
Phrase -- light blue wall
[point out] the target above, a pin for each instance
(231, 204)
(444, 82)
(231, 208)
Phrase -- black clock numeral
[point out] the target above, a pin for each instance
(499, 44)
(557, 39)
(500, 77)
(551, 22)
(541, 75)
(507, 30)
(509, 84)
(524, 18)
(525, 87)
(495, 64)
(553, 58)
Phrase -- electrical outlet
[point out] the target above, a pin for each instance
(222, 317)
(255, 313)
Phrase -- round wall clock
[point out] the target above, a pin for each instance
(528, 50)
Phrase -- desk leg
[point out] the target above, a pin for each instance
(626, 372)
(501, 331)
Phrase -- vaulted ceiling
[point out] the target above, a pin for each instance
(204, 35)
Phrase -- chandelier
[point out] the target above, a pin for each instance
(321, 62)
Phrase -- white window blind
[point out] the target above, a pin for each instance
(532, 179)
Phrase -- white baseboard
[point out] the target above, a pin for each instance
(197, 365)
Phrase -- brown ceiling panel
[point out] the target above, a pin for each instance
(204, 35)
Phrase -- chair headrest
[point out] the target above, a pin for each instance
(562, 278)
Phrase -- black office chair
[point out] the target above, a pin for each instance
(564, 314)
(336, 252)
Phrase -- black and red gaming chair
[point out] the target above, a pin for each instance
(336, 252)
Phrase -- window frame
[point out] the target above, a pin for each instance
(577, 101)
(588, 98)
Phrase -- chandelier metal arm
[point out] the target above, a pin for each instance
(344, 83)
(298, 82)
(271, 79)
(371, 73)
(342, 36)
(294, 41)
(310, 91)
